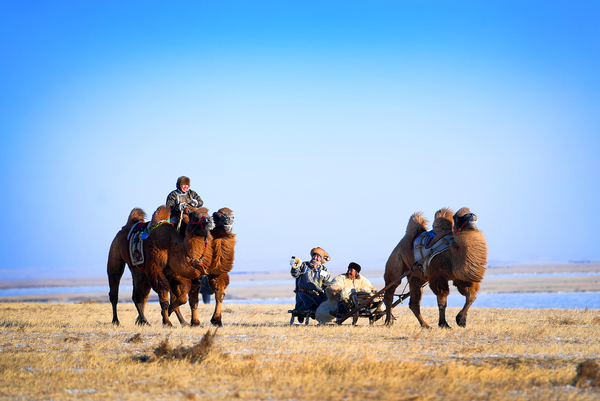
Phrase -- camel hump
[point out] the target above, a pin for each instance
(417, 223)
(442, 222)
(137, 215)
(163, 212)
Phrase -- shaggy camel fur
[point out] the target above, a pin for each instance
(166, 252)
(222, 251)
(464, 262)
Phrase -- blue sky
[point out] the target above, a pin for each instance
(318, 124)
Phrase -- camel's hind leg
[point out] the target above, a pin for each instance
(416, 293)
(469, 290)
(388, 299)
(114, 268)
(441, 290)
(141, 292)
(218, 284)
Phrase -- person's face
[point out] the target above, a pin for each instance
(184, 188)
(351, 273)
(316, 260)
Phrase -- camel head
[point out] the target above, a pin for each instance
(200, 222)
(224, 219)
(464, 220)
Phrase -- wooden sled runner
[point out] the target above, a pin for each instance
(301, 314)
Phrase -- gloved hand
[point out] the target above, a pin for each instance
(194, 203)
(295, 262)
(182, 206)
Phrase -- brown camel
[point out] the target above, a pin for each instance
(464, 262)
(223, 247)
(166, 252)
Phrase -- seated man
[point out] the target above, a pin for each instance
(342, 287)
(312, 278)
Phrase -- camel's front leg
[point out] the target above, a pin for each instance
(178, 298)
(469, 290)
(218, 285)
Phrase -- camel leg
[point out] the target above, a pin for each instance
(160, 284)
(194, 295)
(178, 298)
(469, 290)
(388, 299)
(114, 269)
(177, 311)
(163, 299)
(441, 290)
(141, 292)
(416, 293)
(218, 284)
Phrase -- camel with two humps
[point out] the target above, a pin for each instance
(464, 262)
(222, 246)
(167, 254)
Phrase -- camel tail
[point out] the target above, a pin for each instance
(137, 215)
(416, 224)
(163, 212)
(472, 255)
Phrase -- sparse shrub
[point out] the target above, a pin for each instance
(588, 374)
(561, 321)
(194, 354)
(137, 338)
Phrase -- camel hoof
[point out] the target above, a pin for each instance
(445, 326)
(216, 323)
(461, 321)
(116, 323)
(196, 324)
(142, 322)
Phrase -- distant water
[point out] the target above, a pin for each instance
(529, 300)
(565, 300)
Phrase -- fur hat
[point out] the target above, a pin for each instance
(321, 252)
(354, 266)
(183, 180)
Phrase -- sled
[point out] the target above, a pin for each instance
(305, 314)
(365, 307)
(371, 309)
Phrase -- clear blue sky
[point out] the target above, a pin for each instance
(319, 123)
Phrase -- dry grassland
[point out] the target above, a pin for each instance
(71, 351)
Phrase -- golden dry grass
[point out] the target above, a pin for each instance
(72, 351)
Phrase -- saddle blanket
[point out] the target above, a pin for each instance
(426, 247)
(138, 233)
